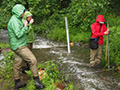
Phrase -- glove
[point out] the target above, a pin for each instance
(106, 32)
(31, 21)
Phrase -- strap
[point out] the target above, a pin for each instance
(100, 30)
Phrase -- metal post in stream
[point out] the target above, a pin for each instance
(67, 32)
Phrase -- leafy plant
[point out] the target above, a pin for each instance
(52, 74)
(6, 71)
(58, 34)
(4, 45)
(114, 43)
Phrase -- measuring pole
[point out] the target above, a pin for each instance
(67, 32)
(107, 47)
(108, 44)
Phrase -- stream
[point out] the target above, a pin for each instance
(75, 64)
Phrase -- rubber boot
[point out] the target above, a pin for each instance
(38, 84)
(92, 64)
(19, 84)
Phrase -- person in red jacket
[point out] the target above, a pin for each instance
(98, 29)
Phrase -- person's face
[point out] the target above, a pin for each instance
(22, 14)
(29, 18)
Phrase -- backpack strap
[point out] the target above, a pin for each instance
(100, 30)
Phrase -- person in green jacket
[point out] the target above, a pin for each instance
(30, 36)
(17, 31)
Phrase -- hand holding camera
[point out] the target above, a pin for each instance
(31, 21)
(25, 23)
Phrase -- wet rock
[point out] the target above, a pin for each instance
(118, 86)
(6, 50)
(76, 44)
(1, 57)
(92, 89)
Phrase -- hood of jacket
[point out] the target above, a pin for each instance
(17, 10)
(26, 14)
(100, 18)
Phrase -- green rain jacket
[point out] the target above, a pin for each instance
(16, 31)
(30, 33)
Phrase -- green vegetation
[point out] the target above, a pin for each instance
(6, 71)
(114, 42)
(4, 45)
(50, 16)
(51, 80)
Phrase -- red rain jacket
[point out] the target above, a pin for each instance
(95, 27)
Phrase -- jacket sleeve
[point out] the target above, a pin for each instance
(105, 28)
(94, 33)
(29, 28)
(18, 30)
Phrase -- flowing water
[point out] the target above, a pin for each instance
(76, 64)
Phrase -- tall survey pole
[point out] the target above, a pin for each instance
(67, 32)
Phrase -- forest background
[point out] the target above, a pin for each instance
(50, 16)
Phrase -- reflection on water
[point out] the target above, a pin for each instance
(75, 64)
